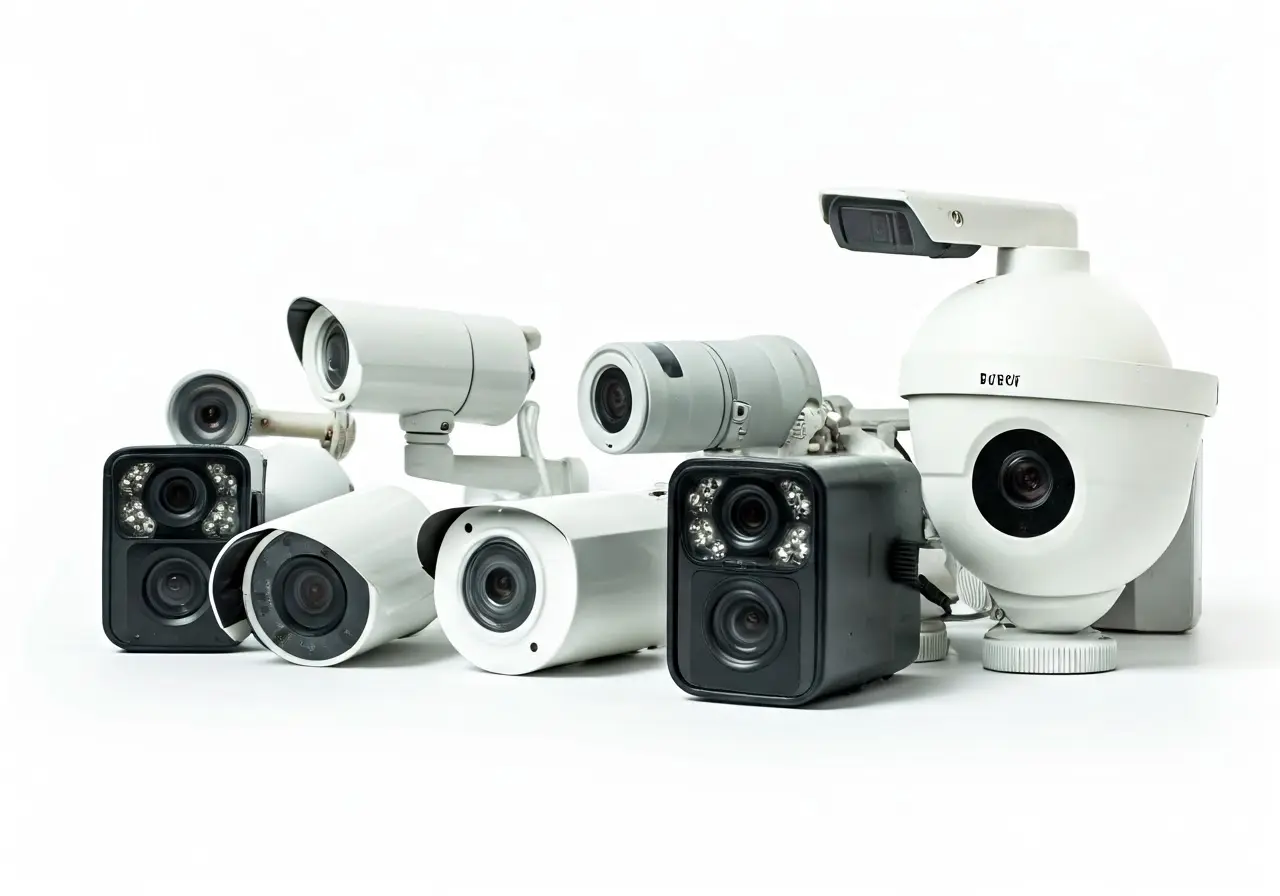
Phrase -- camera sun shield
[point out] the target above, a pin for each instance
(791, 579)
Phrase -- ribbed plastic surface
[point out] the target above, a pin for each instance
(1006, 649)
(933, 646)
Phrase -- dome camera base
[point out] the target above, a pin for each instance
(1009, 649)
(934, 642)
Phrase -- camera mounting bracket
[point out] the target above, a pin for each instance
(427, 455)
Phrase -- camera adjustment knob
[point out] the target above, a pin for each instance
(1009, 649)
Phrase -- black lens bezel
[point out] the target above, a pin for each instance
(609, 377)
(730, 497)
(169, 613)
(266, 597)
(334, 337)
(158, 508)
(1006, 514)
(499, 553)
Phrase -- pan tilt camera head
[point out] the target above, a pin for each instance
(1056, 441)
(791, 579)
(434, 369)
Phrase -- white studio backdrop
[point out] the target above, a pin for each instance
(172, 174)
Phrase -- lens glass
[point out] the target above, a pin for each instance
(177, 497)
(746, 627)
(337, 355)
(175, 587)
(211, 415)
(750, 517)
(612, 399)
(499, 586)
(312, 599)
(1025, 480)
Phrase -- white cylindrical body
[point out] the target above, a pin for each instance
(406, 360)
(696, 396)
(299, 475)
(370, 537)
(599, 567)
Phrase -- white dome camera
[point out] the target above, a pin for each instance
(653, 397)
(527, 585)
(434, 369)
(325, 584)
(212, 407)
(1055, 441)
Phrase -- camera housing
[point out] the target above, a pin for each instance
(212, 407)
(526, 585)
(791, 579)
(167, 512)
(434, 369)
(1055, 471)
(327, 583)
(653, 397)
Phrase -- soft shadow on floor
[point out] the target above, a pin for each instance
(626, 664)
(905, 685)
(1156, 651)
(405, 652)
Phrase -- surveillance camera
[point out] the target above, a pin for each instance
(652, 397)
(1058, 469)
(791, 579)
(434, 369)
(527, 585)
(325, 584)
(211, 407)
(169, 510)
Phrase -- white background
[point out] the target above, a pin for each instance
(171, 174)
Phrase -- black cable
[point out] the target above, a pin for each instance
(902, 451)
(935, 595)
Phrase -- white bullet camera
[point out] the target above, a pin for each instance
(526, 585)
(434, 369)
(325, 584)
(1055, 441)
(653, 397)
(212, 407)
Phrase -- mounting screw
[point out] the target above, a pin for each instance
(957, 218)
(444, 427)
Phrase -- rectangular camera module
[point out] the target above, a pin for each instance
(167, 512)
(792, 579)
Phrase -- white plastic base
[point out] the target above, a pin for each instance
(1009, 649)
(933, 641)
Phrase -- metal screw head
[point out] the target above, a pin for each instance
(957, 218)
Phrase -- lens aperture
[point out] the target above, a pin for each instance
(312, 598)
(750, 518)
(611, 400)
(337, 355)
(746, 627)
(211, 415)
(175, 587)
(1025, 480)
(499, 586)
(177, 497)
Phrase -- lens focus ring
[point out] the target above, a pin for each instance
(611, 399)
(499, 587)
(175, 587)
(750, 517)
(312, 597)
(746, 627)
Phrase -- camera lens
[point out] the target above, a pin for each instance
(337, 355)
(746, 627)
(177, 497)
(175, 587)
(612, 399)
(1025, 480)
(750, 518)
(211, 414)
(312, 597)
(499, 586)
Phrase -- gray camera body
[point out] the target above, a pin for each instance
(1166, 598)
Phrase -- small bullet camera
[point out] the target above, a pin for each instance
(168, 511)
(791, 579)
(212, 407)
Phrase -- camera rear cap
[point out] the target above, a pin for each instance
(1026, 234)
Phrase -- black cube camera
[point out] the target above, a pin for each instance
(791, 579)
(167, 512)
